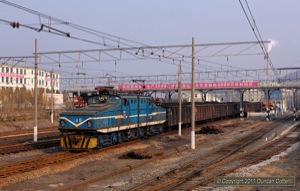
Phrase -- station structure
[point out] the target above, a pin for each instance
(263, 88)
(284, 91)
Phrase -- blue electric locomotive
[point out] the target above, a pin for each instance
(109, 119)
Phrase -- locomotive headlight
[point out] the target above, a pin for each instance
(62, 123)
(89, 123)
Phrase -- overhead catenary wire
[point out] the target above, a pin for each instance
(258, 36)
(103, 35)
(108, 40)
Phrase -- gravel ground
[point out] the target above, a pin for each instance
(55, 176)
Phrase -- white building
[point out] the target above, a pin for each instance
(18, 76)
(210, 96)
(254, 95)
(57, 101)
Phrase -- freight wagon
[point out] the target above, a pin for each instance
(206, 111)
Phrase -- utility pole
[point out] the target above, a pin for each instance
(78, 81)
(268, 71)
(35, 91)
(52, 104)
(179, 98)
(193, 96)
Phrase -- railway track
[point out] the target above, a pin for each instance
(193, 180)
(20, 141)
(24, 135)
(57, 158)
(256, 155)
(36, 163)
(135, 165)
(190, 175)
(16, 148)
(33, 164)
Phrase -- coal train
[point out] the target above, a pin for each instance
(109, 119)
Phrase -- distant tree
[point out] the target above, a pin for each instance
(40, 98)
(17, 97)
(1, 96)
(48, 90)
(1, 99)
(9, 96)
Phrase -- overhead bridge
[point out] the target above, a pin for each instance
(210, 86)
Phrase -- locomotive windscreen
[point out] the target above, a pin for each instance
(102, 99)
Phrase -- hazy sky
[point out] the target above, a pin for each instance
(155, 22)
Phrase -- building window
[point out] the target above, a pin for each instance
(21, 81)
(17, 71)
(24, 71)
(7, 70)
(21, 71)
(7, 80)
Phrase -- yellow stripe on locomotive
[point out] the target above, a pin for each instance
(78, 142)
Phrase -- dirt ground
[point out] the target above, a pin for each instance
(19, 125)
(49, 178)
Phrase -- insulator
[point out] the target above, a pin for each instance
(15, 24)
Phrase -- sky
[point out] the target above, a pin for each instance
(155, 23)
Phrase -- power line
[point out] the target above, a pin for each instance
(258, 36)
(108, 40)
